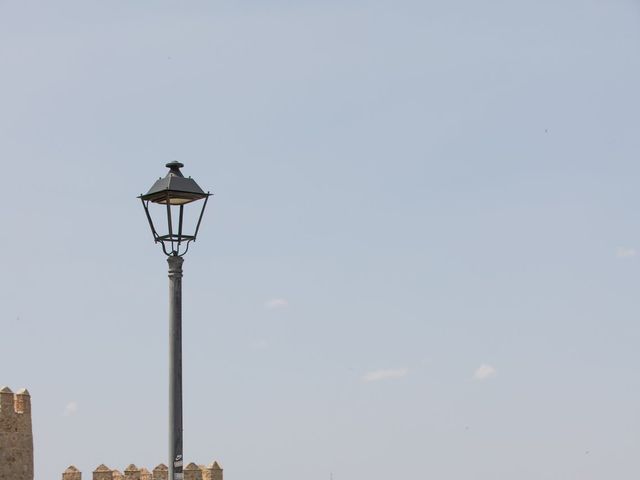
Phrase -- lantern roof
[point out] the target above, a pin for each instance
(174, 184)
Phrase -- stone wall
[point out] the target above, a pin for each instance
(16, 436)
(161, 472)
(16, 449)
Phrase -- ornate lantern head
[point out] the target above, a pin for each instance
(172, 194)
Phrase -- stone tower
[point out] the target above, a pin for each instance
(16, 437)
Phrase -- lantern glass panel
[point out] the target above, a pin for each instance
(180, 201)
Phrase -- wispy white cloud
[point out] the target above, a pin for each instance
(276, 303)
(484, 372)
(385, 374)
(70, 409)
(626, 252)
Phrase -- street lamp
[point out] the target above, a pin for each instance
(168, 197)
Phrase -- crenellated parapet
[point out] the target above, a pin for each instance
(16, 437)
(72, 473)
(14, 404)
(161, 472)
(212, 472)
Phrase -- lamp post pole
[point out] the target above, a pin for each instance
(175, 367)
(172, 194)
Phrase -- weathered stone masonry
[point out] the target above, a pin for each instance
(16, 449)
(16, 436)
(161, 472)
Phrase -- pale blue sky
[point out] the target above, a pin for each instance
(420, 262)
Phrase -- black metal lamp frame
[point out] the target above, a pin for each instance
(177, 243)
(174, 191)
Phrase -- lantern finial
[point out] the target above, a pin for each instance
(174, 168)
